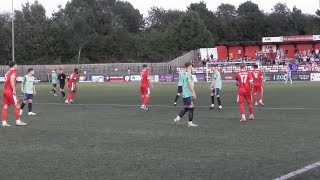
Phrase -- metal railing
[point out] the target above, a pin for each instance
(115, 69)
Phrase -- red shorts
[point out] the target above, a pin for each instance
(257, 89)
(144, 90)
(242, 97)
(71, 87)
(9, 99)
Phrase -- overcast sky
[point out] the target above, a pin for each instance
(307, 6)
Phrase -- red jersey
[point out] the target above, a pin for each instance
(73, 78)
(243, 79)
(257, 77)
(145, 78)
(7, 85)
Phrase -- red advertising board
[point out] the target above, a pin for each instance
(297, 38)
(291, 38)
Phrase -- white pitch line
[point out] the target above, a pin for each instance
(299, 171)
(133, 105)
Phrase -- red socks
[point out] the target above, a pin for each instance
(70, 96)
(250, 108)
(145, 100)
(242, 111)
(4, 114)
(255, 97)
(17, 113)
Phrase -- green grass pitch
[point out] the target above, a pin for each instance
(105, 135)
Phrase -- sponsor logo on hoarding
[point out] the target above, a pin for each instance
(229, 78)
(272, 39)
(296, 77)
(268, 48)
(304, 77)
(298, 38)
(279, 77)
(84, 79)
(116, 79)
(195, 79)
(97, 79)
(127, 78)
(315, 77)
(166, 78)
(135, 78)
(200, 77)
(267, 78)
(316, 37)
(154, 78)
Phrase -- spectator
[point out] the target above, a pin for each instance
(239, 53)
(245, 59)
(204, 63)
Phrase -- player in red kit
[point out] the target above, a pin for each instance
(244, 82)
(72, 85)
(257, 85)
(145, 87)
(10, 96)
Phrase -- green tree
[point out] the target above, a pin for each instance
(191, 33)
(280, 20)
(208, 17)
(5, 40)
(251, 21)
(160, 19)
(227, 25)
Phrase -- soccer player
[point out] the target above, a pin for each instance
(72, 85)
(257, 85)
(179, 88)
(188, 94)
(289, 77)
(54, 80)
(10, 96)
(62, 82)
(244, 82)
(216, 86)
(145, 86)
(29, 90)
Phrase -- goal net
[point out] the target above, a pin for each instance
(228, 67)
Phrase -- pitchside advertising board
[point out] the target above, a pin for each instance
(175, 78)
(268, 76)
(296, 76)
(315, 76)
(19, 79)
(137, 78)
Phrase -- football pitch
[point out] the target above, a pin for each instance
(105, 135)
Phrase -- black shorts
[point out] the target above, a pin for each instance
(216, 91)
(62, 86)
(54, 85)
(188, 101)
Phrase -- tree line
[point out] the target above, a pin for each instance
(105, 31)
